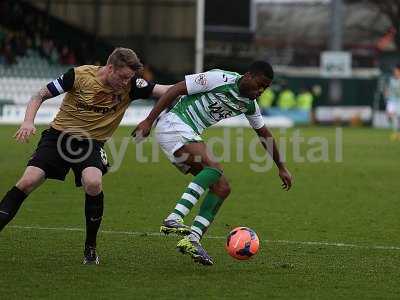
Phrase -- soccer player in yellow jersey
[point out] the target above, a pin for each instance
(94, 104)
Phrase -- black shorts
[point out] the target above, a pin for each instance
(58, 152)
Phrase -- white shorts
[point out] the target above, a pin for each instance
(172, 134)
(392, 107)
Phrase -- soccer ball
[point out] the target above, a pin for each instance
(242, 243)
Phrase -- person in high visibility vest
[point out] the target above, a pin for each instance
(305, 100)
(265, 100)
(286, 99)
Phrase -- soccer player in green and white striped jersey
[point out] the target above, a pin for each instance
(207, 98)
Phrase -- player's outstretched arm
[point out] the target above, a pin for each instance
(268, 142)
(159, 90)
(27, 128)
(144, 127)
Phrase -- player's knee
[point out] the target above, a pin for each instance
(213, 164)
(27, 184)
(221, 189)
(92, 186)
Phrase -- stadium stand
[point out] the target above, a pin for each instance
(30, 56)
(18, 81)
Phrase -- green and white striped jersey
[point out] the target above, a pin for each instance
(214, 96)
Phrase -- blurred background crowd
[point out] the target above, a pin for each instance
(333, 58)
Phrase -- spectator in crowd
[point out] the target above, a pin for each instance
(148, 73)
(9, 56)
(305, 100)
(265, 100)
(286, 99)
(67, 57)
(28, 31)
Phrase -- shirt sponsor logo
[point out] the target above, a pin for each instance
(110, 103)
(97, 109)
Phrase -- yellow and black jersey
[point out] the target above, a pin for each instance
(91, 109)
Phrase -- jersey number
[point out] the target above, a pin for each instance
(218, 112)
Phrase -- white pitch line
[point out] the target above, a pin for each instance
(135, 233)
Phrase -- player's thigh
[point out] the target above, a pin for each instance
(197, 153)
(32, 178)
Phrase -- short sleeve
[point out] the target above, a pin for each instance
(62, 84)
(256, 119)
(207, 81)
(140, 88)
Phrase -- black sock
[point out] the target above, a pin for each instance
(10, 204)
(94, 212)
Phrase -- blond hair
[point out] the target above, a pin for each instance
(124, 57)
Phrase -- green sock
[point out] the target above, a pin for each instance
(208, 211)
(201, 182)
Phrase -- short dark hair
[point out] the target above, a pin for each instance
(262, 67)
(397, 66)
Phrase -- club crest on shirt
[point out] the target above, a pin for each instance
(141, 83)
(201, 79)
(103, 156)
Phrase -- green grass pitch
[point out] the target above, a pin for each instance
(335, 235)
